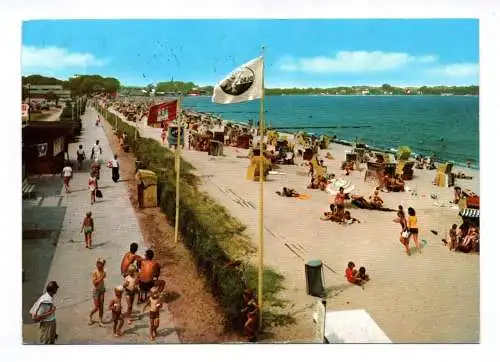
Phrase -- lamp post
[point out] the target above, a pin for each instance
(29, 102)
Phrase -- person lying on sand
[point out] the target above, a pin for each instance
(362, 203)
(395, 184)
(463, 176)
(348, 219)
(343, 217)
(288, 192)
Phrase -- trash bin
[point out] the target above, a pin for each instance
(147, 188)
(315, 279)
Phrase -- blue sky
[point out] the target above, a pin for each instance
(301, 53)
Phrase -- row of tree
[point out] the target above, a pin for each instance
(88, 84)
(384, 89)
(78, 85)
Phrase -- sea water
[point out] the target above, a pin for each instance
(447, 126)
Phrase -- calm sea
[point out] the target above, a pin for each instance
(445, 125)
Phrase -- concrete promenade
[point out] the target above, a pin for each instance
(116, 226)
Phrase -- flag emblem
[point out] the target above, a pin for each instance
(243, 84)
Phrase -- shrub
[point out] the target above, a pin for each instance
(213, 236)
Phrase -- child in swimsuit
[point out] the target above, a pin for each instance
(154, 303)
(98, 277)
(116, 309)
(131, 287)
(88, 228)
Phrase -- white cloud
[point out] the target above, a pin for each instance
(353, 62)
(52, 58)
(457, 70)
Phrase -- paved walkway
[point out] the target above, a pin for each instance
(116, 226)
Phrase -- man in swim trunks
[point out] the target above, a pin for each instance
(130, 258)
(150, 271)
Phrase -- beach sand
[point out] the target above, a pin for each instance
(428, 298)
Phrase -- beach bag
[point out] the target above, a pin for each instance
(405, 234)
(98, 193)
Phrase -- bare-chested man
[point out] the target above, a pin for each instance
(130, 258)
(148, 277)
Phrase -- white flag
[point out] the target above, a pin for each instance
(243, 84)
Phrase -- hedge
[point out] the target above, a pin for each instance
(213, 236)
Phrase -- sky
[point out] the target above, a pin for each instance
(298, 53)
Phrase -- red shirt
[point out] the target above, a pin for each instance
(349, 275)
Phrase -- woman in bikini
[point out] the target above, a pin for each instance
(404, 236)
(88, 228)
(98, 277)
(413, 227)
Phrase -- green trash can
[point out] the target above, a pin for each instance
(315, 278)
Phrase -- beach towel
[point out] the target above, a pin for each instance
(303, 197)
(44, 299)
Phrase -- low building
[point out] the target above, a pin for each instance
(40, 91)
(44, 146)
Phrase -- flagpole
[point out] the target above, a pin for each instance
(177, 170)
(261, 199)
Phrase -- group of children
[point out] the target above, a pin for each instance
(358, 277)
(464, 238)
(133, 284)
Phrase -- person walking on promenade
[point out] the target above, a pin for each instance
(163, 135)
(131, 287)
(92, 187)
(67, 173)
(413, 227)
(115, 169)
(88, 228)
(130, 259)
(155, 304)
(44, 312)
(96, 152)
(80, 156)
(115, 306)
(150, 272)
(98, 277)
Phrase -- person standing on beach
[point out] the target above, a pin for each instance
(98, 277)
(44, 312)
(67, 172)
(413, 227)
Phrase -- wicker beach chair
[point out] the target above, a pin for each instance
(374, 172)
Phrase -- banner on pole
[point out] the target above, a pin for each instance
(162, 112)
(242, 84)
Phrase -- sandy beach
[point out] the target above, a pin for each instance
(427, 298)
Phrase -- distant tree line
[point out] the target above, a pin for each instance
(78, 85)
(88, 84)
(384, 89)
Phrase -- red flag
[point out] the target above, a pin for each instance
(157, 112)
